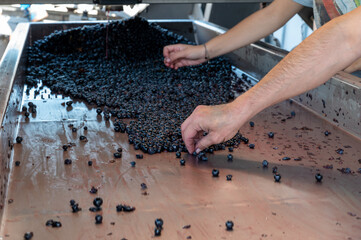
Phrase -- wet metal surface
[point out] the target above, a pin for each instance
(11, 68)
(297, 208)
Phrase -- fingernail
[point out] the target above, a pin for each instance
(167, 60)
(198, 150)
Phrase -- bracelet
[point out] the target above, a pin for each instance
(206, 54)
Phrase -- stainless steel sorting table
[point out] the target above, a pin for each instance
(297, 208)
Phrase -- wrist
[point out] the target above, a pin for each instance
(243, 107)
(206, 53)
(214, 50)
(208, 50)
(198, 52)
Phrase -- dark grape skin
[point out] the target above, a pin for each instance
(124, 208)
(215, 172)
(56, 224)
(98, 202)
(49, 223)
(28, 235)
(157, 232)
(98, 219)
(277, 177)
(318, 177)
(229, 225)
(93, 190)
(19, 139)
(265, 163)
(67, 161)
(159, 223)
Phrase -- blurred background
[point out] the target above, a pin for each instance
(222, 14)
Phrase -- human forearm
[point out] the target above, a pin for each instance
(253, 28)
(327, 51)
(257, 26)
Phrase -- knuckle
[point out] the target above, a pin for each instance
(199, 108)
(183, 127)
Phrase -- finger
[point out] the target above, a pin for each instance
(207, 141)
(198, 136)
(166, 63)
(191, 129)
(188, 62)
(190, 142)
(180, 63)
(184, 62)
(189, 135)
(177, 55)
(185, 124)
(167, 50)
(192, 119)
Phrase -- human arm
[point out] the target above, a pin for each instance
(355, 66)
(328, 50)
(256, 26)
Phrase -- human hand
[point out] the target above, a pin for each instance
(221, 122)
(180, 55)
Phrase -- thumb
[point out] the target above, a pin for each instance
(167, 50)
(206, 141)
